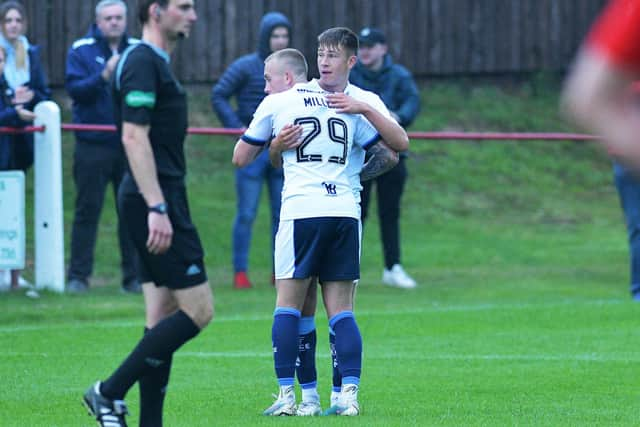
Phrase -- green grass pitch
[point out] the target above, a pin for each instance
(522, 315)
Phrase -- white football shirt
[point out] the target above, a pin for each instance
(321, 173)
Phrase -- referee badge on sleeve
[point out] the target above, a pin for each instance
(138, 98)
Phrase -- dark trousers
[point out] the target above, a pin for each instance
(628, 187)
(95, 165)
(390, 188)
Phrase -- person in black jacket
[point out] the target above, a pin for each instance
(376, 72)
(99, 157)
(25, 86)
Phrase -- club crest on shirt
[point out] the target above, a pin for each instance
(331, 188)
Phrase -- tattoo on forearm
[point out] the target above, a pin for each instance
(382, 160)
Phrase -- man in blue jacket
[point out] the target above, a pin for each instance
(244, 79)
(99, 157)
(375, 71)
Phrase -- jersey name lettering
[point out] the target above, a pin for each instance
(315, 102)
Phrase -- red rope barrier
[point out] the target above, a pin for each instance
(460, 136)
(26, 129)
(502, 136)
(496, 136)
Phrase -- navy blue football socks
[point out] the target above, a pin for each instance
(306, 368)
(348, 346)
(153, 388)
(337, 378)
(154, 349)
(284, 337)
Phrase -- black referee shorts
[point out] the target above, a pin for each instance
(182, 266)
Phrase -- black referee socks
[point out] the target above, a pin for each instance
(154, 350)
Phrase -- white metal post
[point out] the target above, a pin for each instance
(49, 233)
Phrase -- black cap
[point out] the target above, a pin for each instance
(369, 36)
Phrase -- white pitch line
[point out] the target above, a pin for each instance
(412, 356)
(429, 308)
(597, 358)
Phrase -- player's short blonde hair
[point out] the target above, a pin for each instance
(291, 59)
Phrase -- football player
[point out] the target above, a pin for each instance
(319, 231)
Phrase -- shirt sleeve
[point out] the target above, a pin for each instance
(616, 34)
(137, 81)
(366, 136)
(260, 129)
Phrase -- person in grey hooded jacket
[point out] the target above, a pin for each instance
(244, 80)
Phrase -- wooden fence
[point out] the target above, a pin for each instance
(430, 37)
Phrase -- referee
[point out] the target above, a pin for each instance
(151, 113)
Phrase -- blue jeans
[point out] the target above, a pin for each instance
(248, 189)
(629, 191)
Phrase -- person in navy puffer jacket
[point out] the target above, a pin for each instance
(244, 79)
(99, 156)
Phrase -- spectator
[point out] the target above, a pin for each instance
(25, 87)
(596, 96)
(10, 115)
(628, 187)
(99, 157)
(375, 71)
(244, 80)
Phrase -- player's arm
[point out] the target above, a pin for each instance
(255, 138)
(137, 146)
(381, 159)
(244, 153)
(391, 132)
(596, 93)
(596, 98)
(290, 137)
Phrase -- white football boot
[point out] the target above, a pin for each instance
(310, 408)
(347, 404)
(285, 403)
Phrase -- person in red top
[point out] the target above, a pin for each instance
(600, 95)
(595, 95)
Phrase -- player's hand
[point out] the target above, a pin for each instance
(22, 95)
(160, 233)
(345, 104)
(289, 138)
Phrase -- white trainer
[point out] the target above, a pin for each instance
(310, 408)
(285, 403)
(347, 404)
(24, 283)
(398, 277)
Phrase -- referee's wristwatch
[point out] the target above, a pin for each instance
(160, 208)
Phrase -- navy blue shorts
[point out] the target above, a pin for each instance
(327, 247)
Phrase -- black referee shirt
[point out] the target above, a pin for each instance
(145, 92)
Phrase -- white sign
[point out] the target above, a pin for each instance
(12, 229)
